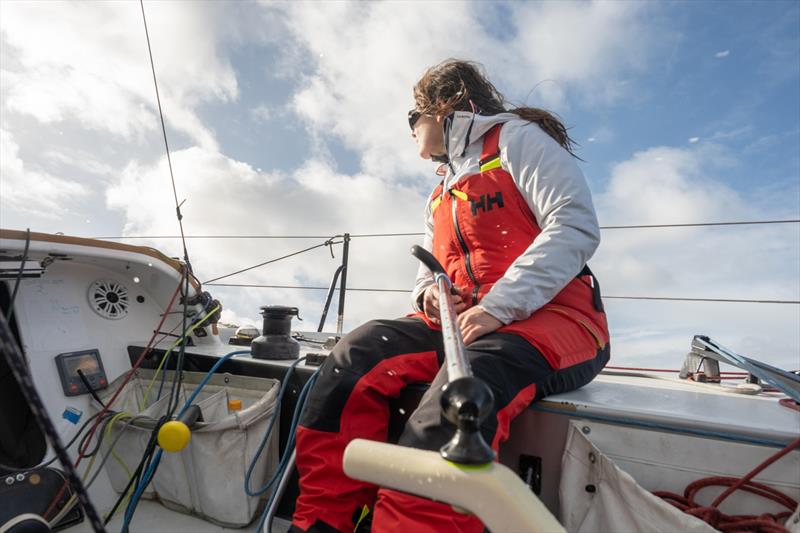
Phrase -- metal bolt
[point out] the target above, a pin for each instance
(20, 477)
(592, 457)
(10, 480)
(586, 430)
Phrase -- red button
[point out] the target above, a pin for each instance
(73, 388)
(102, 381)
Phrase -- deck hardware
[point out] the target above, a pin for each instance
(10, 268)
(592, 457)
(530, 471)
(586, 430)
(591, 489)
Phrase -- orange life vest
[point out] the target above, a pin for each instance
(480, 227)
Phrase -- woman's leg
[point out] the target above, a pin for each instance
(350, 400)
(517, 373)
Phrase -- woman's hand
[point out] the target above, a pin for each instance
(430, 302)
(475, 323)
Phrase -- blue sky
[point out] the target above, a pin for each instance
(289, 118)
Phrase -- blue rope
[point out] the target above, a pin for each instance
(151, 469)
(287, 453)
(284, 385)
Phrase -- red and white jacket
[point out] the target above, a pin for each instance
(513, 222)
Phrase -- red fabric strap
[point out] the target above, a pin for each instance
(491, 143)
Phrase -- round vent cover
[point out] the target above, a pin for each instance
(109, 299)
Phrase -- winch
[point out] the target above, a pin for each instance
(276, 341)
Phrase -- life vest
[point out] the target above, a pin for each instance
(480, 226)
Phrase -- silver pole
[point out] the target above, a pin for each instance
(279, 490)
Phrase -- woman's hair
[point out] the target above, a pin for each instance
(455, 85)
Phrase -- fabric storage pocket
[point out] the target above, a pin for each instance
(180, 465)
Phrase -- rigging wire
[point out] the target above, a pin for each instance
(407, 291)
(420, 234)
(166, 143)
(328, 242)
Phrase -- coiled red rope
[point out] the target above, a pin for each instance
(766, 523)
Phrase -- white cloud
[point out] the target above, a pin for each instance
(225, 196)
(723, 54)
(80, 159)
(360, 81)
(102, 78)
(671, 185)
(355, 86)
(588, 47)
(693, 140)
(32, 191)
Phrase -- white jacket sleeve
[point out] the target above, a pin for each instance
(424, 276)
(554, 188)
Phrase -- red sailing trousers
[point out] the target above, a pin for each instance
(350, 400)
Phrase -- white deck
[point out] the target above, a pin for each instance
(681, 404)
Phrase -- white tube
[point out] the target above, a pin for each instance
(493, 493)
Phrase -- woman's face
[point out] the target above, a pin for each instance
(429, 136)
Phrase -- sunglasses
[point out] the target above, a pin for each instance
(413, 117)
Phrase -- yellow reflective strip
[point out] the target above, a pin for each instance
(435, 203)
(364, 513)
(469, 467)
(458, 194)
(494, 163)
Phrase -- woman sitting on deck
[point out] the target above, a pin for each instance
(513, 224)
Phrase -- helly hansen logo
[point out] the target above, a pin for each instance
(487, 202)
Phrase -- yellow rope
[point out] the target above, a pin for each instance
(143, 405)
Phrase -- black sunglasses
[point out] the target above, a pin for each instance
(413, 117)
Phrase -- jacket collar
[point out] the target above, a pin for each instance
(463, 128)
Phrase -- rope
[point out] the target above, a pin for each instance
(713, 516)
(16, 363)
(99, 416)
(24, 260)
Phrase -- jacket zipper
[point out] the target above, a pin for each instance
(464, 248)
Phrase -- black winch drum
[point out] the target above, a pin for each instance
(276, 341)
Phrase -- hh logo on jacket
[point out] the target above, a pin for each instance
(487, 202)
